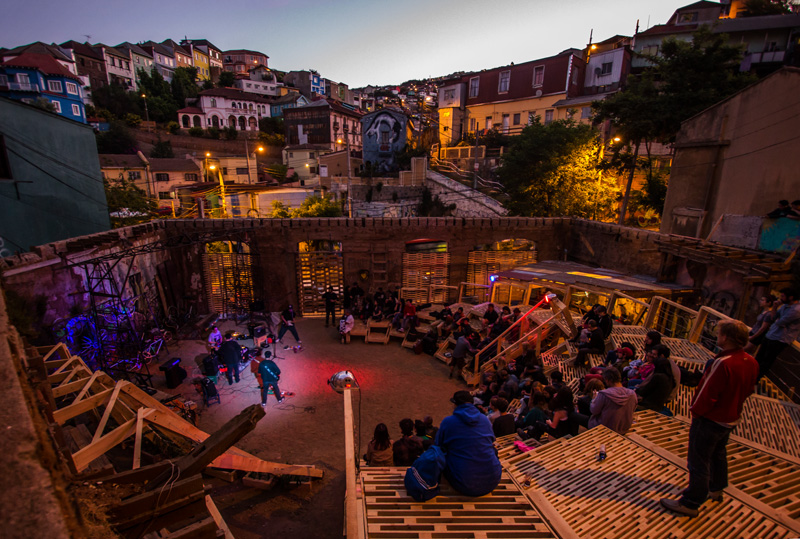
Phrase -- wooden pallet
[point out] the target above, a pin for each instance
(770, 422)
(618, 498)
(360, 329)
(771, 478)
(620, 329)
(679, 348)
(446, 346)
(378, 331)
(389, 512)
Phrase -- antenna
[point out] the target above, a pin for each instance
(87, 36)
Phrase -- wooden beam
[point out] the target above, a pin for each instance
(350, 500)
(107, 413)
(217, 516)
(75, 409)
(62, 351)
(84, 456)
(137, 443)
(146, 506)
(249, 463)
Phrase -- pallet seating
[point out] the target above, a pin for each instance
(378, 331)
(752, 468)
(618, 498)
(360, 329)
(387, 511)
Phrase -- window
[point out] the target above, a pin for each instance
(213, 102)
(76, 110)
(651, 50)
(472, 124)
(162, 177)
(190, 177)
(225, 171)
(586, 113)
(56, 106)
(474, 84)
(505, 78)
(22, 78)
(449, 95)
(516, 119)
(606, 69)
(164, 195)
(3, 79)
(111, 59)
(684, 18)
(54, 86)
(72, 88)
(548, 116)
(242, 171)
(134, 175)
(291, 154)
(538, 76)
(488, 123)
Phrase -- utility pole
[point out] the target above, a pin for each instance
(247, 156)
(146, 112)
(347, 145)
(475, 179)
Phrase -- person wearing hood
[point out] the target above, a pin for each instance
(614, 406)
(467, 439)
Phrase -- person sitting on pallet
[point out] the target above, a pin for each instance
(380, 298)
(467, 439)
(490, 316)
(596, 345)
(406, 450)
(406, 318)
(613, 407)
(346, 325)
(604, 321)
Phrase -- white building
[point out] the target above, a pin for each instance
(225, 107)
(261, 80)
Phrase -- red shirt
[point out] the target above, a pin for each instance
(409, 310)
(726, 383)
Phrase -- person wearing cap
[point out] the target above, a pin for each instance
(270, 374)
(467, 439)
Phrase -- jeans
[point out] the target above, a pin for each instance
(330, 310)
(284, 329)
(767, 354)
(708, 461)
(581, 359)
(265, 391)
(233, 371)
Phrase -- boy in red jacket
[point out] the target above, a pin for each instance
(727, 381)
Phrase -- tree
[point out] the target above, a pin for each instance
(552, 170)
(117, 139)
(279, 210)
(271, 126)
(183, 85)
(318, 206)
(226, 79)
(687, 78)
(162, 148)
(758, 8)
(128, 204)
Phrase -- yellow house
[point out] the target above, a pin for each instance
(199, 59)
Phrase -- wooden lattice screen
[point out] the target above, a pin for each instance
(229, 281)
(316, 271)
(421, 270)
(482, 264)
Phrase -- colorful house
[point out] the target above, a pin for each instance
(33, 78)
(163, 58)
(141, 60)
(225, 107)
(183, 57)
(289, 101)
(200, 59)
(323, 122)
(241, 61)
(385, 132)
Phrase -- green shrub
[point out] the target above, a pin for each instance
(231, 133)
(173, 128)
(213, 133)
(196, 131)
(133, 120)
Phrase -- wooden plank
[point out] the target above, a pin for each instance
(107, 413)
(66, 413)
(350, 501)
(86, 455)
(137, 444)
(217, 516)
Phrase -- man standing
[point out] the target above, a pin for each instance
(214, 340)
(270, 374)
(614, 406)
(459, 355)
(783, 331)
(728, 379)
(287, 324)
(467, 439)
(231, 354)
(330, 305)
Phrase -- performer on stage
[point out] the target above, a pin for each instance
(214, 340)
(287, 324)
(270, 374)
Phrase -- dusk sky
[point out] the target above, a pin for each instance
(357, 42)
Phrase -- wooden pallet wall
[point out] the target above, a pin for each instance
(421, 270)
(316, 271)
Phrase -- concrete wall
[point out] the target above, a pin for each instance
(738, 157)
(59, 189)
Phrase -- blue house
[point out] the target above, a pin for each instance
(32, 77)
(384, 132)
(289, 101)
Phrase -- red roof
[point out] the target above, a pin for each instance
(191, 110)
(43, 62)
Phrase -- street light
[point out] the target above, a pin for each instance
(247, 156)
(146, 112)
(346, 130)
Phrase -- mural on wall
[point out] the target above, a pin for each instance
(383, 135)
(779, 235)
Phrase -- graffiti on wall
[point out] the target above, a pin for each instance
(383, 134)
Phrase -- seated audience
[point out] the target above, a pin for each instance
(379, 450)
(589, 391)
(503, 424)
(596, 345)
(346, 325)
(562, 423)
(614, 406)
(654, 393)
(466, 437)
(406, 450)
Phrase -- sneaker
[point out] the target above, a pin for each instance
(263, 404)
(677, 507)
(299, 342)
(401, 330)
(281, 400)
(285, 346)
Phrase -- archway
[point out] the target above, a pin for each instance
(231, 121)
(242, 123)
(215, 121)
(253, 123)
(185, 121)
(196, 121)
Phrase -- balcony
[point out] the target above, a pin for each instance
(248, 112)
(22, 86)
(765, 57)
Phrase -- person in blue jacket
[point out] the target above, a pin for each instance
(467, 439)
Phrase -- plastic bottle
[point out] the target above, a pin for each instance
(601, 454)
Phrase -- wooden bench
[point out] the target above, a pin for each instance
(378, 331)
(360, 329)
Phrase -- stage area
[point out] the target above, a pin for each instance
(308, 427)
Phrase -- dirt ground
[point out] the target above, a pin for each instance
(308, 428)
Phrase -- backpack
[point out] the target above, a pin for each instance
(422, 478)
